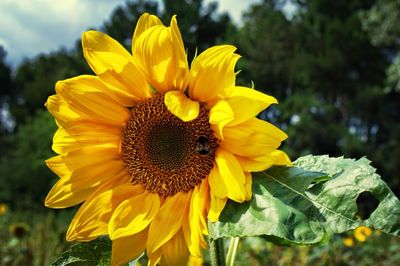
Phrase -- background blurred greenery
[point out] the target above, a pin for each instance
(333, 65)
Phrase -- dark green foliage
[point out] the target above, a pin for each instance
(6, 91)
(95, 253)
(337, 81)
(5, 76)
(25, 178)
(35, 80)
(297, 206)
(200, 24)
(123, 20)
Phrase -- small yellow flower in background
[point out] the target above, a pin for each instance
(152, 148)
(348, 241)
(3, 208)
(362, 233)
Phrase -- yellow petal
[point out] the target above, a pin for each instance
(128, 87)
(154, 257)
(75, 187)
(181, 106)
(85, 134)
(216, 207)
(249, 183)
(85, 95)
(217, 187)
(90, 155)
(114, 65)
(231, 175)
(260, 163)
(168, 221)
(57, 165)
(103, 52)
(93, 216)
(126, 249)
(196, 220)
(160, 54)
(247, 103)
(62, 111)
(145, 22)
(195, 261)
(252, 138)
(175, 251)
(62, 142)
(280, 158)
(212, 73)
(220, 115)
(133, 215)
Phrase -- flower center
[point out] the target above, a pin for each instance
(164, 153)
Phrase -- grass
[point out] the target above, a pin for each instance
(41, 240)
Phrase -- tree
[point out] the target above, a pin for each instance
(25, 178)
(35, 80)
(328, 75)
(6, 90)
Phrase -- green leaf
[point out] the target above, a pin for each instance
(94, 253)
(293, 205)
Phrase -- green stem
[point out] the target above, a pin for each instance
(233, 245)
(217, 253)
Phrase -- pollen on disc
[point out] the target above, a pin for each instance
(164, 153)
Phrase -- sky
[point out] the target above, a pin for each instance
(30, 27)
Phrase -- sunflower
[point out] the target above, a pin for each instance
(153, 149)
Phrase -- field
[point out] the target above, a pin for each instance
(37, 238)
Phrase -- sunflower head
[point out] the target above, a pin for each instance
(151, 148)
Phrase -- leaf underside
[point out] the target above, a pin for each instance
(94, 253)
(308, 203)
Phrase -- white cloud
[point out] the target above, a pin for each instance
(235, 8)
(30, 27)
(37, 26)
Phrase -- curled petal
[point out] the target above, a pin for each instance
(115, 66)
(246, 103)
(145, 22)
(260, 163)
(252, 138)
(181, 106)
(212, 73)
(221, 114)
(160, 54)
